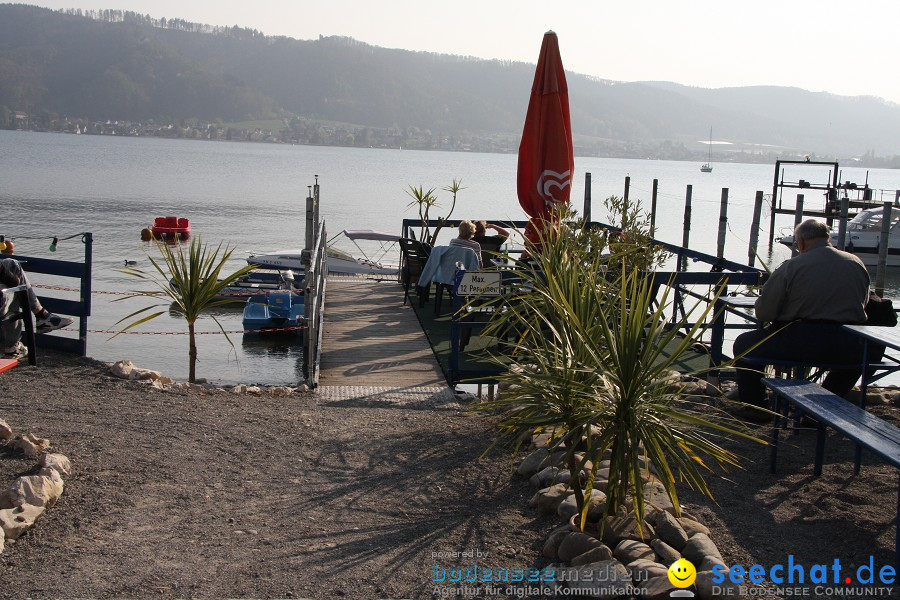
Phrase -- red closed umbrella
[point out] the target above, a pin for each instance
(546, 159)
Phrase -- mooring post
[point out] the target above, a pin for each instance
(723, 224)
(625, 201)
(686, 238)
(754, 228)
(653, 208)
(798, 218)
(310, 218)
(883, 245)
(842, 223)
(587, 198)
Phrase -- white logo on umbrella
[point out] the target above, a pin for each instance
(550, 179)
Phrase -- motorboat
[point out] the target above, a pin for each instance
(274, 310)
(258, 282)
(864, 237)
(171, 227)
(340, 262)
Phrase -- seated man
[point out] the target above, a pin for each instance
(12, 275)
(490, 244)
(464, 239)
(805, 302)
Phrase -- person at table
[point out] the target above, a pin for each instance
(12, 275)
(804, 303)
(464, 239)
(490, 244)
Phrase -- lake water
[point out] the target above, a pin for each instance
(252, 197)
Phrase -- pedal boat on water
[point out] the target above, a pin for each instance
(274, 310)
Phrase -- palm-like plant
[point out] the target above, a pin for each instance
(191, 281)
(423, 200)
(591, 363)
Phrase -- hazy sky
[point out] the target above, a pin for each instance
(847, 48)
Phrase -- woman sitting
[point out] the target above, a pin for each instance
(464, 239)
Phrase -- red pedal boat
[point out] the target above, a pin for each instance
(171, 226)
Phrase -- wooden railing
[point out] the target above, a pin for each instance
(80, 308)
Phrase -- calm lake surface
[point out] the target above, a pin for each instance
(252, 197)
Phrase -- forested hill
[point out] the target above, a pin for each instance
(116, 65)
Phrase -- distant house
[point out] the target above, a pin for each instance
(21, 119)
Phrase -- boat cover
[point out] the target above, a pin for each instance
(368, 234)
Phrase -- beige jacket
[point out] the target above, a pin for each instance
(822, 283)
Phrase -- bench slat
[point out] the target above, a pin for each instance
(7, 363)
(874, 433)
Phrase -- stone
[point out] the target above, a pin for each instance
(122, 369)
(541, 440)
(144, 374)
(538, 460)
(253, 389)
(598, 554)
(665, 553)
(655, 494)
(551, 546)
(6, 431)
(644, 570)
(30, 445)
(709, 562)
(548, 499)
(576, 544)
(2, 540)
(279, 390)
(628, 551)
(705, 587)
(55, 462)
(620, 528)
(656, 588)
(692, 527)
(699, 547)
(18, 520)
(545, 477)
(669, 530)
(239, 389)
(596, 505)
(38, 490)
(604, 579)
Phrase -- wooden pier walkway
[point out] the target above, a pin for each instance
(372, 344)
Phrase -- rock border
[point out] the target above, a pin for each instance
(29, 496)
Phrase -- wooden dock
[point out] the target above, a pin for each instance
(372, 340)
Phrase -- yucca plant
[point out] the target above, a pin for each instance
(591, 364)
(191, 280)
(423, 200)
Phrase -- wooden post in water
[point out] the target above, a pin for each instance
(310, 219)
(625, 201)
(723, 224)
(686, 238)
(754, 228)
(653, 208)
(883, 245)
(587, 198)
(798, 218)
(842, 223)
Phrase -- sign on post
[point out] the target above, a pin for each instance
(479, 283)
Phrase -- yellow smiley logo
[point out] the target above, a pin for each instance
(682, 573)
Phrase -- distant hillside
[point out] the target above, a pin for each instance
(120, 65)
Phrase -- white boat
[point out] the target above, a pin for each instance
(864, 236)
(707, 168)
(340, 262)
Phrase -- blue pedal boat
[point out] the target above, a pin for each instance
(274, 310)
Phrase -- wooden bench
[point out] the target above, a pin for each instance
(830, 410)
